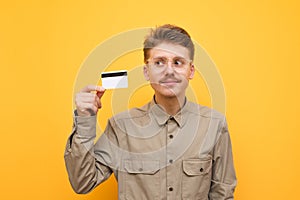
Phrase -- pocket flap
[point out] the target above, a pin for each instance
(194, 167)
(141, 166)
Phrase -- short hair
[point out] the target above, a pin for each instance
(170, 34)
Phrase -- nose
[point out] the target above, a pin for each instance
(169, 67)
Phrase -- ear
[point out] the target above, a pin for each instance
(192, 71)
(146, 72)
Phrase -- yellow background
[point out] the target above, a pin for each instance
(255, 45)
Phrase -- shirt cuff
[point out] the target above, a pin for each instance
(85, 126)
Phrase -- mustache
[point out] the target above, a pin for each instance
(168, 79)
(165, 80)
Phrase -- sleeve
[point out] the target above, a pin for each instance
(223, 175)
(84, 170)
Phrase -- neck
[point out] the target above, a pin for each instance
(172, 105)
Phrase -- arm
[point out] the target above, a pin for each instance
(84, 170)
(223, 175)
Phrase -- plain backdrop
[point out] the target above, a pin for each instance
(254, 44)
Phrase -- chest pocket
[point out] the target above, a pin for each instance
(142, 179)
(196, 178)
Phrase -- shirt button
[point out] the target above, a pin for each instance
(170, 136)
(69, 150)
(170, 161)
(201, 169)
(140, 169)
(170, 189)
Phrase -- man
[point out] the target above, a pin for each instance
(168, 149)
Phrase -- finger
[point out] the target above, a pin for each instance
(86, 97)
(96, 101)
(87, 108)
(100, 89)
(100, 94)
(90, 88)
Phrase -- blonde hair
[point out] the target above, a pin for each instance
(170, 34)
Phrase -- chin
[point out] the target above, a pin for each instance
(169, 95)
(167, 92)
(164, 91)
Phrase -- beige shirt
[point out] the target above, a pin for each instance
(155, 156)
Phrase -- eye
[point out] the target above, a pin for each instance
(159, 63)
(178, 62)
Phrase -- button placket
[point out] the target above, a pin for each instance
(172, 127)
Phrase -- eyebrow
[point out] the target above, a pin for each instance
(163, 57)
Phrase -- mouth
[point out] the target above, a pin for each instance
(169, 82)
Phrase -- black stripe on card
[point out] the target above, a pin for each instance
(113, 74)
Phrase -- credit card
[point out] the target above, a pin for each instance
(114, 79)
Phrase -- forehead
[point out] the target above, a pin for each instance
(169, 50)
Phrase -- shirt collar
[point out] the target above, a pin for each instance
(162, 116)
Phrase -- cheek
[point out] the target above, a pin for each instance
(153, 76)
(185, 75)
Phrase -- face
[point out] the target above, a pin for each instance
(169, 70)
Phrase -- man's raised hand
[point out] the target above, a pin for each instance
(88, 100)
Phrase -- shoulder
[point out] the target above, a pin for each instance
(205, 111)
(135, 114)
(214, 118)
